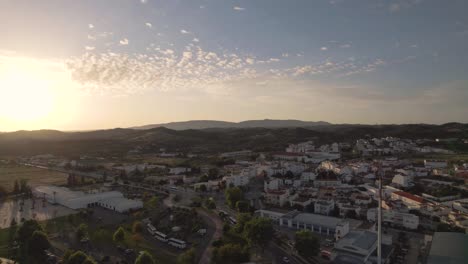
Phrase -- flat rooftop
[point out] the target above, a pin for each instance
(448, 248)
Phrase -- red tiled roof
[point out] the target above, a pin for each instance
(410, 196)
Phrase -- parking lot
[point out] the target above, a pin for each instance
(14, 209)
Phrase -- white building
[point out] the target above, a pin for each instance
(392, 217)
(236, 154)
(355, 247)
(78, 200)
(324, 207)
(435, 164)
(236, 180)
(321, 224)
(403, 180)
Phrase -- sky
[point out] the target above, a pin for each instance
(94, 64)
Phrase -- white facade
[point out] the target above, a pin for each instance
(406, 220)
(435, 164)
(324, 207)
(78, 200)
(403, 180)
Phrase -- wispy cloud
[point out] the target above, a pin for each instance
(345, 46)
(399, 5)
(148, 24)
(183, 31)
(89, 48)
(323, 48)
(195, 40)
(90, 26)
(238, 8)
(124, 42)
(143, 1)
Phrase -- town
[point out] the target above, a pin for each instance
(310, 203)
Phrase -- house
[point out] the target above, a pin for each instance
(237, 180)
(408, 199)
(179, 170)
(276, 197)
(435, 164)
(393, 217)
(402, 180)
(324, 207)
(236, 154)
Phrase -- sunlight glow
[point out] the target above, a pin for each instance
(25, 92)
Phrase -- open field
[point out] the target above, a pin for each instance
(35, 176)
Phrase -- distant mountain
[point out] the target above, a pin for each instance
(204, 124)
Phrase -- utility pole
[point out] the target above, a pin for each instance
(379, 220)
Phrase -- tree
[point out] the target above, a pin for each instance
(16, 188)
(145, 258)
(242, 206)
(188, 257)
(259, 231)
(204, 178)
(203, 188)
(152, 203)
(137, 227)
(119, 235)
(242, 219)
(233, 195)
(82, 231)
(26, 230)
(210, 204)
(230, 253)
(307, 244)
(37, 244)
(77, 258)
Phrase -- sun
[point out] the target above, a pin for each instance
(26, 93)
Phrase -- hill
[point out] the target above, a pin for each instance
(204, 124)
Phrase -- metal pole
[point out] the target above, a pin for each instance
(379, 221)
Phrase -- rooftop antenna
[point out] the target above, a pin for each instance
(379, 219)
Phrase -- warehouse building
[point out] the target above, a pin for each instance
(112, 200)
(321, 224)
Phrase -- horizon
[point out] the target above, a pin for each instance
(138, 127)
(87, 65)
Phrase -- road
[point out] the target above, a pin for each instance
(208, 217)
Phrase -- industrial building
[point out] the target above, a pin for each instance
(321, 224)
(112, 200)
(448, 247)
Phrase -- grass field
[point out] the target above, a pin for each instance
(35, 176)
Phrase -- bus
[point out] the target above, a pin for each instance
(177, 243)
(325, 254)
(232, 220)
(160, 236)
(151, 229)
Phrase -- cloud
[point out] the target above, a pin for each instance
(323, 48)
(143, 1)
(90, 26)
(195, 40)
(285, 55)
(415, 46)
(183, 31)
(165, 70)
(89, 48)
(238, 8)
(148, 24)
(124, 42)
(399, 5)
(345, 46)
